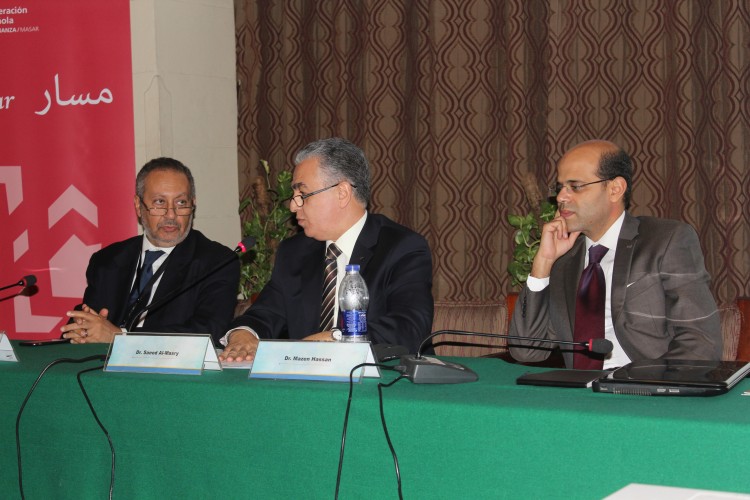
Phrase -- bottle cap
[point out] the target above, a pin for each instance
(352, 267)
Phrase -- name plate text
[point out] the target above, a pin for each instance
(327, 361)
(183, 354)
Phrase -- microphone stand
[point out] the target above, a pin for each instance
(29, 280)
(426, 370)
(132, 320)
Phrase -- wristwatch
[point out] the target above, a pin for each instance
(336, 334)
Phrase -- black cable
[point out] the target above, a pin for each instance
(346, 422)
(594, 345)
(101, 426)
(99, 357)
(385, 430)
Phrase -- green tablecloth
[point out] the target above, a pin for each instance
(221, 435)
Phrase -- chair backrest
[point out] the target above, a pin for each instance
(481, 317)
(743, 340)
(731, 327)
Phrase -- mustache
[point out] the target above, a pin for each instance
(168, 223)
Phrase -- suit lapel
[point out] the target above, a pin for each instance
(623, 260)
(311, 273)
(126, 264)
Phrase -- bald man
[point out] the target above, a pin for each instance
(657, 302)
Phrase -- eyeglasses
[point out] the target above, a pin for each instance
(299, 199)
(162, 211)
(555, 189)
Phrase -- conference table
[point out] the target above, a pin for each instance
(222, 435)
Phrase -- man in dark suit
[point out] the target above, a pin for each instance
(332, 190)
(125, 277)
(658, 303)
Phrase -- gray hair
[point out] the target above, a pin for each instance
(340, 160)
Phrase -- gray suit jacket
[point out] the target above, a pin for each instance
(661, 304)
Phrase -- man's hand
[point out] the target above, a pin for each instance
(242, 346)
(556, 242)
(89, 326)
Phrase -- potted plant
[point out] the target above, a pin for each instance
(528, 229)
(269, 221)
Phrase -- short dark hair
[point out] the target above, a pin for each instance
(617, 164)
(162, 163)
(340, 160)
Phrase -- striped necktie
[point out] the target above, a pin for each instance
(329, 287)
(145, 275)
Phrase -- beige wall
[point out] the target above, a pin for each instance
(184, 99)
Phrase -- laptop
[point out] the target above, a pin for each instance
(673, 377)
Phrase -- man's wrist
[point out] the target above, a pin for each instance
(541, 270)
(226, 339)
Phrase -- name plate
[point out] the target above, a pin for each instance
(301, 360)
(6, 349)
(181, 354)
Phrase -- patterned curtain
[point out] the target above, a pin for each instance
(454, 101)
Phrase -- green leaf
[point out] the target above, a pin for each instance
(527, 239)
(268, 230)
(515, 220)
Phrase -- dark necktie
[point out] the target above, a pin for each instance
(589, 322)
(329, 287)
(146, 273)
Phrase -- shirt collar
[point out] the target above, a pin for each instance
(610, 238)
(147, 245)
(347, 240)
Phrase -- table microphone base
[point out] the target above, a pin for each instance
(426, 370)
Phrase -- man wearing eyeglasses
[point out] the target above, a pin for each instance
(331, 185)
(600, 272)
(125, 277)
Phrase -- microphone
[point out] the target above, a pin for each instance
(425, 370)
(242, 246)
(26, 281)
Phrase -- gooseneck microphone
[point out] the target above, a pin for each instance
(29, 280)
(425, 370)
(132, 319)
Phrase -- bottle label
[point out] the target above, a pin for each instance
(355, 323)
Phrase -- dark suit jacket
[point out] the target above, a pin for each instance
(396, 264)
(661, 304)
(206, 307)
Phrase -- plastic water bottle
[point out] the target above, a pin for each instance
(353, 301)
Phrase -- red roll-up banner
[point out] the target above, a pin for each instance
(66, 152)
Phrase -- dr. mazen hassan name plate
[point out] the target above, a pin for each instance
(328, 361)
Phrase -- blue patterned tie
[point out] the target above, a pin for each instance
(146, 273)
